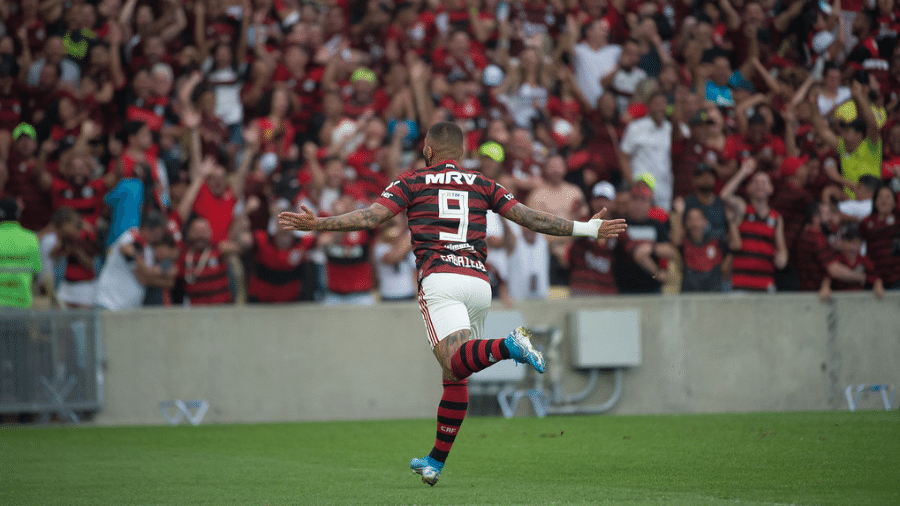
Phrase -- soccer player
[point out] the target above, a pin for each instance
(446, 207)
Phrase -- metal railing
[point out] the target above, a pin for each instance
(51, 363)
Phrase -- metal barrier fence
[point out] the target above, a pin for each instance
(51, 362)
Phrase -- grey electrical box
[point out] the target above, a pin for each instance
(605, 338)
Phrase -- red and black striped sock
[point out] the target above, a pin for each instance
(476, 355)
(450, 415)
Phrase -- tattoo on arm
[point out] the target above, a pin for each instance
(361, 219)
(539, 221)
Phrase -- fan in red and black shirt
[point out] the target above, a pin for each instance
(791, 199)
(535, 17)
(371, 160)
(10, 95)
(849, 246)
(77, 246)
(363, 97)
(73, 187)
(881, 231)
(591, 267)
(140, 160)
(688, 152)
(643, 251)
(704, 253)
(520, 163)
(30, 18)
(763, 248)
(465, 108)
(23, 181)
(410, 31)
(203, 266)
(866, 55)
(460, 56)
(591, 262)
(69, 118)
(348, 268)
(890, 166)
(305, 83)
(278, 266)
(759, 143)
(813, 253)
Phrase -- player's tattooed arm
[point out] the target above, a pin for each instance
(539, 221)
(361, 219)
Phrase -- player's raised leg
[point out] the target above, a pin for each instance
(478, 354)
(451, 410)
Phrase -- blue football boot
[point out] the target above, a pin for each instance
(518, 342)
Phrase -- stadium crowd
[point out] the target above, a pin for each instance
(751, 144)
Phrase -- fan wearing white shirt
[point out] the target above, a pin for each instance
(647, 146)
(595, 58)
(131, 268)
(395, 263)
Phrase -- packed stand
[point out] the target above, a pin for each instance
(751, 145)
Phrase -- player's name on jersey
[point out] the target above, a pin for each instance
(464, 262)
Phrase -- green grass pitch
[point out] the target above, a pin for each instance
(820, 458)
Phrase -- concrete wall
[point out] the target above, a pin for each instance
(702, 353)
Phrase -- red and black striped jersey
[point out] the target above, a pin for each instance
(277, 274)
(812, 256)
(791, 202)
(309, 92)
(447, 209)
(862, 264)
(75, 270)
(591, 267)
(348, 268)
(882, 236)
(87, 199)
(10, 109)
(206, 277)
(754, 263)
(22, 182)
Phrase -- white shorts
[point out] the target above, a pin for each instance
(453, 302)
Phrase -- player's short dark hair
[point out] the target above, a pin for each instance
(446, 136)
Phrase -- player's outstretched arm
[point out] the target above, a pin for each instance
(550, 224)
(361, 219)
